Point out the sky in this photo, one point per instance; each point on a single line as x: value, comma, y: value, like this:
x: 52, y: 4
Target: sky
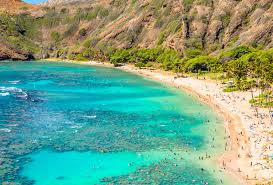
x: 34, y: 1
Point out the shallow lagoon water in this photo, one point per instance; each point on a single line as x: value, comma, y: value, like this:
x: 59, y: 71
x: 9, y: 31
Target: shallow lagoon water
x: 82, y: 168
x: 74, y: 124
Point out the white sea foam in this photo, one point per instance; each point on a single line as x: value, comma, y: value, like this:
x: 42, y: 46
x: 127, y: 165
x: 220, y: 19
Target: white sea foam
x: 5, y: 130
x: 12, y: 125
x: 4, y: 94
x: 5, y: 91
x: 14, y: 82
x: 23, y: 95
x: 91, y: 117
x: 76, y: 126
x: 11, y: 89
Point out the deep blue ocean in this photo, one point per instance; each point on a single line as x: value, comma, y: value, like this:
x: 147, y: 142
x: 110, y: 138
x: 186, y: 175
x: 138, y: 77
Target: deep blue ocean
x: 71, y: 124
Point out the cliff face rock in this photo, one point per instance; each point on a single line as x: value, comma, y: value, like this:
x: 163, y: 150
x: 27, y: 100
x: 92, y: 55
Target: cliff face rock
x: 7, y: 52
x: 209, y: 25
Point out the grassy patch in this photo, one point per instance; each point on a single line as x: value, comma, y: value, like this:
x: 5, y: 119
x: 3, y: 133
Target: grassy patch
x: 230, y: 89
x: 264, y: 100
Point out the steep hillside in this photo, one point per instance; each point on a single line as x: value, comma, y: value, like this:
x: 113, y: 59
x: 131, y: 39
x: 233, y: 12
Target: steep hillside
x: 203, y: 24
x: 67, y: 27
x: 18, y: 36
x: 16, y: 6
x: 15, y: 32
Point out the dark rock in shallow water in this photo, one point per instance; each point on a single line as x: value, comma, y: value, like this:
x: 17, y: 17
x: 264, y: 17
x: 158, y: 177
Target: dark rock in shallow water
x: 60, y: 178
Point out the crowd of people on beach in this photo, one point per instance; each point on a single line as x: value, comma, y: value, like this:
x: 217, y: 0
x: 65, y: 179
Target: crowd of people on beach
x: 255, y: 144
x: 251, y: 139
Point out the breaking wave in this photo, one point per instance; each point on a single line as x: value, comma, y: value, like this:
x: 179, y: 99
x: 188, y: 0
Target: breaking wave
x: 17, y: 92
x: 4, y: 94
x: 14, y: 81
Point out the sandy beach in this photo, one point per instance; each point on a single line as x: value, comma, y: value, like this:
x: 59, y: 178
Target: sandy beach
x: 249, y: 137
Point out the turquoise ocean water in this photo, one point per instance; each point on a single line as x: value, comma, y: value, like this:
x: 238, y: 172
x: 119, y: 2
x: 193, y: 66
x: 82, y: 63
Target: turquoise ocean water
x: 68, y: 124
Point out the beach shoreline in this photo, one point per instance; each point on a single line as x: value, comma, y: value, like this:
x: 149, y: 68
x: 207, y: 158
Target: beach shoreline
x: 242, y: 158
x: 205, y: 99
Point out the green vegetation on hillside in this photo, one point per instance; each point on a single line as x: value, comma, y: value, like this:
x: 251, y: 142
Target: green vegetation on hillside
x: 18, y: 31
